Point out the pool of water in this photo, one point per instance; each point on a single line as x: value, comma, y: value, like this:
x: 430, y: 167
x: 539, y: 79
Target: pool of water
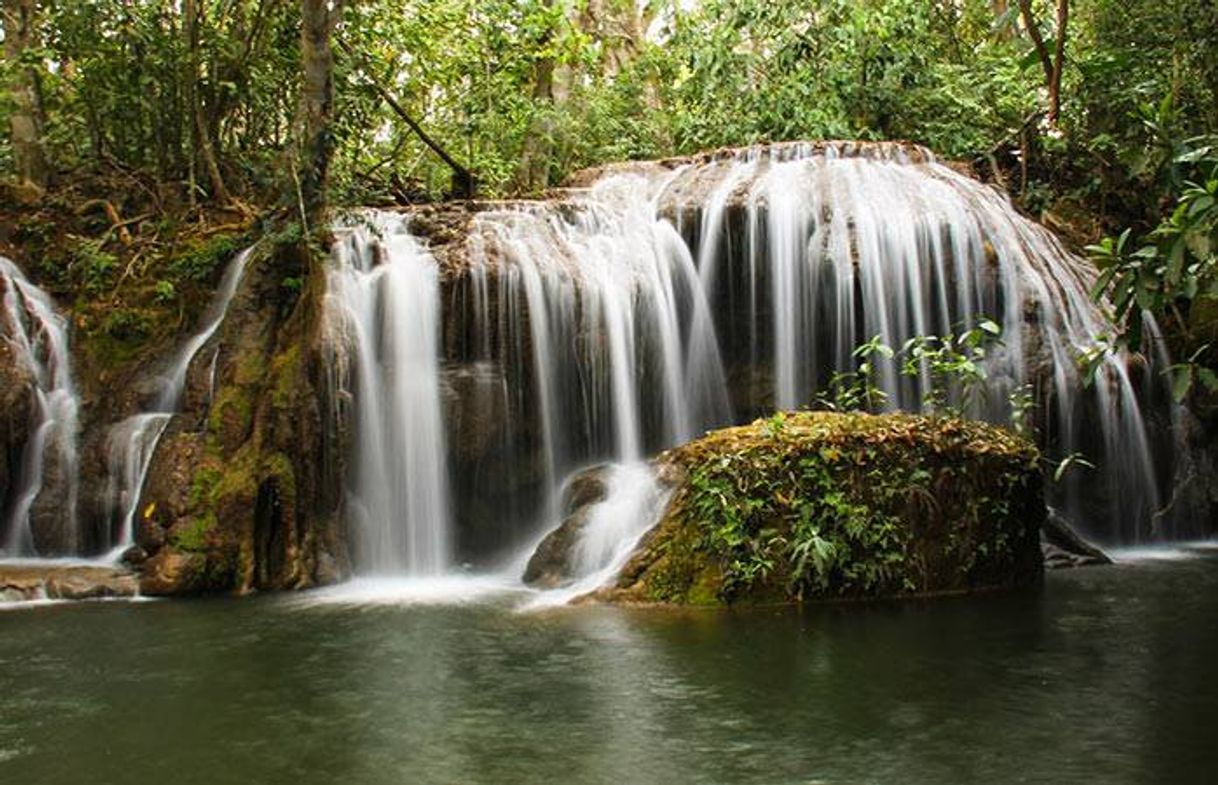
x: 1104, y: 675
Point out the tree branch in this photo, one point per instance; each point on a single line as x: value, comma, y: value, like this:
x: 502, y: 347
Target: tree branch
x: 464, y: 181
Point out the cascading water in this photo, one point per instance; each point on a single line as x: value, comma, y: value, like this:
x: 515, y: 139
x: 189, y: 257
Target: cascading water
x: 133, y: 442
x: 38, y: 336
x: 383, y: 312
x: 634, y: 500
x: 660, y: 302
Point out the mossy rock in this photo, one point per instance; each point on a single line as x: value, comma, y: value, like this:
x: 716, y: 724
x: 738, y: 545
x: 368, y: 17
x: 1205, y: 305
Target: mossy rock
x: 819, y: 505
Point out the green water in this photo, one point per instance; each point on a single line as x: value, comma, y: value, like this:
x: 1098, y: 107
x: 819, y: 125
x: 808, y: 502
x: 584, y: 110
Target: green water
x: 1102, y: 676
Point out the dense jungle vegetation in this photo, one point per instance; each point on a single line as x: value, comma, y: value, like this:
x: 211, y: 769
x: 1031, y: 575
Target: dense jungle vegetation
x: 161, y: 130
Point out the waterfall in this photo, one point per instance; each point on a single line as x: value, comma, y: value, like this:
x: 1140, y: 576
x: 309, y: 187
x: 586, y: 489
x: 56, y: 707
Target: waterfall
x: 383, y: 313
x: 133, y: 442
x: 665, y: 300
x: 661, y: 302
x: 38, y: 337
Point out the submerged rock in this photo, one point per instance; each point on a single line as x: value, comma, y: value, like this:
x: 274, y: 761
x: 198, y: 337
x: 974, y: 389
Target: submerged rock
x: 818, y: 505
x: 1062, y: 546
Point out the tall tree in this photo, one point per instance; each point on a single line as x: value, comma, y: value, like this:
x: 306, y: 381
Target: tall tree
x: 318, y: 18
x: 26, y: 120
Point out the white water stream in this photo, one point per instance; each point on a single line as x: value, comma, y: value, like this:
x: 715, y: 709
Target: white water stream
x: 38, y: 336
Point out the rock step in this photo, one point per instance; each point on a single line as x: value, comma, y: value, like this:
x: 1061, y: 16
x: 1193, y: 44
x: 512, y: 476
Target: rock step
x: 30, y: 581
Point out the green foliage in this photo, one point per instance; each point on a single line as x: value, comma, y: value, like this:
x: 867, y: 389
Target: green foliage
x: 126, y: 325
x: 856, y: 390
x: 951, y: 367
x: 90, y: 266
x: 165, y: 292
x: 1074, y: 459
x: 1175, y: 262
x: 1192, y: 373
x: 578, y: 83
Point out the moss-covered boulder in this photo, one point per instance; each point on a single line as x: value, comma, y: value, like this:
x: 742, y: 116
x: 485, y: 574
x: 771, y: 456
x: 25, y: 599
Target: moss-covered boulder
x: 819, y: 505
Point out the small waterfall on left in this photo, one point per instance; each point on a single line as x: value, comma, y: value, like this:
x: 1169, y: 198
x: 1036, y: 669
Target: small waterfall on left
x: 383, y: 318
x: 133, y: 442
x: 38, y: 337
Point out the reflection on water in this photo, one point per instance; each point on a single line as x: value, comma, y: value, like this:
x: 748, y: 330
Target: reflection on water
x: 1104, y: 676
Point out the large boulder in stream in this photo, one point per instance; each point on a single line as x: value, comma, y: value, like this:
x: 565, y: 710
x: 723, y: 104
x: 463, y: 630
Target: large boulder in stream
x: 821, y: 505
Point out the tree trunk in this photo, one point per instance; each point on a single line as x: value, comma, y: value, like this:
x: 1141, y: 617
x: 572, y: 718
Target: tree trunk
x: 318, y: 18
x: 26, y: 121
x: 1059, y: 61
x: 203, y: 149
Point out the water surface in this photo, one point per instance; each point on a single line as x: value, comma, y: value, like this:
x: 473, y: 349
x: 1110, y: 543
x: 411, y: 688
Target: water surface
x: 1103, y: 675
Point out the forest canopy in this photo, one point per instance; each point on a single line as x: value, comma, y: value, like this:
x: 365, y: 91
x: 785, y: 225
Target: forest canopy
x: 203, y: 93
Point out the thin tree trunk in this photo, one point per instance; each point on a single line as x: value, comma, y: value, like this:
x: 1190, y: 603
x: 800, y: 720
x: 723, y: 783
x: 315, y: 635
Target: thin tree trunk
x: 26, y: 122
x: 1059, y: 60
x: 533, y: 174
x: 464, y: 182
x: 1052, y: 64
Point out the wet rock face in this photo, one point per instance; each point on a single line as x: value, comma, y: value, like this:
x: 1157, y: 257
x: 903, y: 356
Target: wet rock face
x: 553, y: 563
x: 16, y: 408
x: 244, y: 491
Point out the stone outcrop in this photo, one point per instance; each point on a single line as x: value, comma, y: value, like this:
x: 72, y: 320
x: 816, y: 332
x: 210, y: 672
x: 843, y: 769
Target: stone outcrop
x: 16, y: 402
x: 818, y: 505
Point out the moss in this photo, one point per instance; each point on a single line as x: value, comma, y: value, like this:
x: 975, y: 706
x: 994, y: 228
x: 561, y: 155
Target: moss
x: 279, y: 466
x: 240, y: 477
x: 816, y: 504
x: 251, y: 368
x: 285, y: 372
x: 203, y: 486
x: 195, y: 537
x: 199, y: 258
x: 231, y: 415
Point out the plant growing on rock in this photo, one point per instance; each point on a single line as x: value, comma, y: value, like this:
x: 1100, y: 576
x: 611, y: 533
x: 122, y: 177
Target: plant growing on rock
x: 843, y: 505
